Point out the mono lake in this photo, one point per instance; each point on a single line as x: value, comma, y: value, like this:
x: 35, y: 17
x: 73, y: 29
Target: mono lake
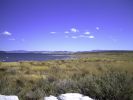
x: 12, y: 57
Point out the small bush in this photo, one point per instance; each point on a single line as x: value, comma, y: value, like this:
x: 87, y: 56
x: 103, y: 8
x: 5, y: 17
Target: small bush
x: 66, y: 86
x: 111, y: 85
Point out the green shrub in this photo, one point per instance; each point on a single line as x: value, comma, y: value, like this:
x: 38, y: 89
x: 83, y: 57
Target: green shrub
x: 111, y: 85
x: 66, y: 86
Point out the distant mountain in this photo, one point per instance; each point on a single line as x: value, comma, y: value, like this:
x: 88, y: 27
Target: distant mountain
x: 63, y: 52
x: 18, y: 51
x: 105, y: 51
x: 2, y: 52
x: 43, y: 52
x: 112, y: 50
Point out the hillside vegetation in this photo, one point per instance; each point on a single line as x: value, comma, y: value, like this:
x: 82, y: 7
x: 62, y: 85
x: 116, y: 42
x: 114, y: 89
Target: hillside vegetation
x: 102, y: 76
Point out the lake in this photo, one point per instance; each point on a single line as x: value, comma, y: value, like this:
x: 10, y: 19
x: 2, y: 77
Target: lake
x: 13, y: 57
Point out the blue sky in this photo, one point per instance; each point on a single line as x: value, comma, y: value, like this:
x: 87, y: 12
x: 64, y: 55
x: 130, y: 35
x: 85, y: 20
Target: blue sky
x: 72, y: 25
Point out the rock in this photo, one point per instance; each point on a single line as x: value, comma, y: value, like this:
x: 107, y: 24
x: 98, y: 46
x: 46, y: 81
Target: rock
x: 69, y: 96
x: 11, y: 97
x: 50, y: 98
x: 86, y: 98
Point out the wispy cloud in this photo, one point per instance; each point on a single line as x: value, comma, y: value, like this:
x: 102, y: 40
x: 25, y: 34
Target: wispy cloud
x: 74, y: 30
x: 74, y: 37
x: 12, y: 39
x: 97, y: 28
x: 77, y: 34
x: 91, y: 37
x: 87, y: 33
x: 66, y: 32
x: 53, y: 32
x: 84, y: 36
x: 80, y: 36
x: 6, y: 33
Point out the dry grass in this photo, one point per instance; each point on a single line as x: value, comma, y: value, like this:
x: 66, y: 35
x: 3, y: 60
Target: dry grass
x: 50, y: 77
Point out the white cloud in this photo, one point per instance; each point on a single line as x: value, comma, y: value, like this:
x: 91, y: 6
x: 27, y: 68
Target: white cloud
x: 79, y: 36
x: 91, y: 37
x: 74, y: 30
x: 12, y: 39
x: 74, y: 37
x: 87, y: 33
x: 97, y: 28
x: 6, y: 33
x: 52, y: 32
x: 66, y: 32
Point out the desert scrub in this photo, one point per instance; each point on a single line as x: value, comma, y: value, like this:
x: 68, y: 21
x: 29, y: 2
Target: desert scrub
x: 66, y: 86
x: 111, y: 85
x: 43, y: 87
x: 0, y: 63
x: 88, y: 75
x: 46, y: 87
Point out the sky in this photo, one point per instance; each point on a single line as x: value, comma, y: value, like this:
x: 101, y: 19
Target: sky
x: 66, y: 25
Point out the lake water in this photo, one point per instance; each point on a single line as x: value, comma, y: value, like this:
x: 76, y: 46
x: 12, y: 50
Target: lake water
x: 12, y: 57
